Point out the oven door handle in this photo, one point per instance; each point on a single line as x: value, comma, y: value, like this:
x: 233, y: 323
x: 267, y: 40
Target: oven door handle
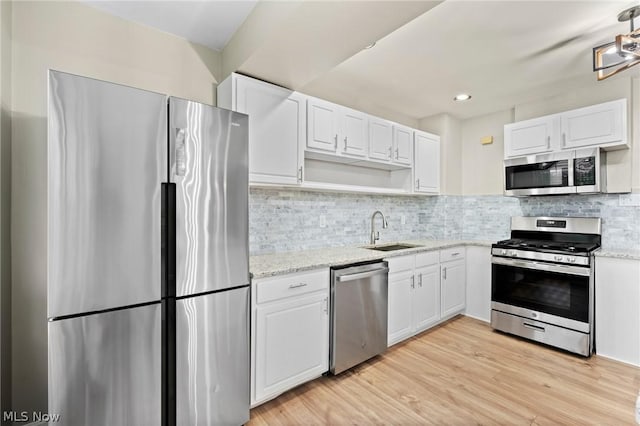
x: 540, y: 266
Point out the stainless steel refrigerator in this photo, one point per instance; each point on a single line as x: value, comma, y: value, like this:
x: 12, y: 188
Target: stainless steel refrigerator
x: 148, y: 270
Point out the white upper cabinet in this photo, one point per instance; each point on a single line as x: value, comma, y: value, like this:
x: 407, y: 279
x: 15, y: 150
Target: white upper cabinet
x: 322, y: 119
x: 336, y: 129
x: 354, y: 133
x: 402, y: 144
x: 426, y: 164
x: 277, y: 123
x: 533, y: 136
x: 380, y: 139
x: 604, y: 125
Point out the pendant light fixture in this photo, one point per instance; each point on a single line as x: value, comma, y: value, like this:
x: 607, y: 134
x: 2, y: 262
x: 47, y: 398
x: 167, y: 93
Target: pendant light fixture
x: 622, y: 53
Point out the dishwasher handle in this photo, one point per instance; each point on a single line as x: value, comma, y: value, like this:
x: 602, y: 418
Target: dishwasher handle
x: 360, y: 275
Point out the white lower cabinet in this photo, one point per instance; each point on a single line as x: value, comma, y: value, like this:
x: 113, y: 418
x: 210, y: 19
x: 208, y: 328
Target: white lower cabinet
x: 290, y: 332
x: 424, y: 290
x: 478, y: 283
x: 617, y: 309
x: 453, y: 285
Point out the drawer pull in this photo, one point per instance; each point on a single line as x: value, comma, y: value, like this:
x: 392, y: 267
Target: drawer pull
x: 455, y: 254
x: 533, y: 327
x: 298, y: 285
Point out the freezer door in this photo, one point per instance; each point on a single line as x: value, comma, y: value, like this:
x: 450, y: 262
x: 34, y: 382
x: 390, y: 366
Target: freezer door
x: 209, y: 165
x: 212, y: 358
x: 107, y: 158
x: 105, y: 369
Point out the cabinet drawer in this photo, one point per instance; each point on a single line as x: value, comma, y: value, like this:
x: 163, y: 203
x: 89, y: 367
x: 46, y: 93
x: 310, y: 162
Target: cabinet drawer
x: 269, y: 289
x: 401, y: 263
x: 428, y: 258
x: 454, y: 253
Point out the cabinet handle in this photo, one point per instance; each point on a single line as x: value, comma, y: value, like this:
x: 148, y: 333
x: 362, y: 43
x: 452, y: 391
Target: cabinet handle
x: 300, y: 174
x: 298, y: 285
x: 397, y: 153
x: 390, y: 153
x: 326, y: 305
x: 335, y: 138
x: 455, y: 254
x: 444, y: 272
x: 417, y: 183
x: 548, y: 141
x: 564, y: 139
x: 413, y: 283
x: 420, y: 281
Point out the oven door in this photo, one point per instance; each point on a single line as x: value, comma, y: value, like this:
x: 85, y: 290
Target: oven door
x: 547, y: 292
x: 539, y: 174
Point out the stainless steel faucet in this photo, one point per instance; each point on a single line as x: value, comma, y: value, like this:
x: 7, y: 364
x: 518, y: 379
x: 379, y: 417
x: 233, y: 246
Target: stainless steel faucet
x: 375, y: 236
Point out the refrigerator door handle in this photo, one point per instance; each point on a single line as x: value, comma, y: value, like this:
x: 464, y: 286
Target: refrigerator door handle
x: 181, y: 161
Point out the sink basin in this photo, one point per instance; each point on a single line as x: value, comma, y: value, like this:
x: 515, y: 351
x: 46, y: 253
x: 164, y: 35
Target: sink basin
x: 393, y: 247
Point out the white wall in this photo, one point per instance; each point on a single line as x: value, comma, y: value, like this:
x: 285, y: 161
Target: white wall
x: 72, y: 37
x: 449, y: 128
x: 482, y: 164
x: 5, y: 205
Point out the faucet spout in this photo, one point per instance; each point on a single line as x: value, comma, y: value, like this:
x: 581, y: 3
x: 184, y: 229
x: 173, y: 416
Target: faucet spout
x: 375, y: 236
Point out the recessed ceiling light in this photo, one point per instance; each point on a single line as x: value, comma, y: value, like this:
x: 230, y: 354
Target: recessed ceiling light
x: 462, y: 97
x: 370, y: 46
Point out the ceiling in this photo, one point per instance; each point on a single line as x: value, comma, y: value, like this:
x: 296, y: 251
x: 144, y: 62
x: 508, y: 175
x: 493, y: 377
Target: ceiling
x: 210, y: 23
x: 503, y: 53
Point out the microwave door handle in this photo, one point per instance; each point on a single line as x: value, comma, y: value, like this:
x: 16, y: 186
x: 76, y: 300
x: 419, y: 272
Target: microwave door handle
x: 572, y: 169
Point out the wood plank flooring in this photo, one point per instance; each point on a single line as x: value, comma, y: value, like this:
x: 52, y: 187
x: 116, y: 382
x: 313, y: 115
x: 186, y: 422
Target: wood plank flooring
x: 463, y: 373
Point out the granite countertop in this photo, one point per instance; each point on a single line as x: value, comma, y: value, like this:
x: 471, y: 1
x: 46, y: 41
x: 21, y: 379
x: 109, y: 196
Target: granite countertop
x: 628, y: 254
x: 268, y: 265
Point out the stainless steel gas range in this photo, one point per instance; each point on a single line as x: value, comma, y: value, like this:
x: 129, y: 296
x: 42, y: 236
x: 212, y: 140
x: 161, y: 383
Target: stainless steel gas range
x: 542, y: 281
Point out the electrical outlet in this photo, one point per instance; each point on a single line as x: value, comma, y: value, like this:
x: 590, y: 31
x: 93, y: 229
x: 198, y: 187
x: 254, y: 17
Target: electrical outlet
x: 323, y: 221
x: 629, y: 200
x: 403, y: 219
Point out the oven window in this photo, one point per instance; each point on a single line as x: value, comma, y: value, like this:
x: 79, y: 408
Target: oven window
x: 553, y: 293
x: 547, y: 174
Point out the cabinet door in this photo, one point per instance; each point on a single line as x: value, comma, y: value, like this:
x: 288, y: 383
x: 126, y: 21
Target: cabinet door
x: 292, y: 343
x: 617, y: 298
x: 276, y: 128
x: 402, y: 145
x: 426, y: 298
x: 322, y: 131
x: 427, y: 163
x: 380, y: 139
x: 354, y: 133
x: 530, y: 136
x: 453, y: 288
x: 603, y: 124
x: 400, y: 325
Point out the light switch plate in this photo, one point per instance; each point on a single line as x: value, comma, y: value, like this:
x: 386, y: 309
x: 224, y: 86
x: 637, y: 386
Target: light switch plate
x: 323, y: 221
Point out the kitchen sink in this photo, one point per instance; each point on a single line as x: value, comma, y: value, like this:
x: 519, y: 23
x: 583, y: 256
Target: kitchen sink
x: 393, y: 247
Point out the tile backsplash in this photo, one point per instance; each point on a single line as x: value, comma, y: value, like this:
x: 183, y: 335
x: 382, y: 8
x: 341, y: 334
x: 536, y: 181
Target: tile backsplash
x: 289, y: 220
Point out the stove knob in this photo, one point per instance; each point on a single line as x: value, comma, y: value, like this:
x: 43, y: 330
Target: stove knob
x: 557, y: 258
x: 571, y: 259
x: 504, y: 252
x: 513, y: 253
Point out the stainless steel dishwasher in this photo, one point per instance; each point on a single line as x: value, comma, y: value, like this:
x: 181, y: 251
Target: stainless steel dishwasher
x: 358, y: 314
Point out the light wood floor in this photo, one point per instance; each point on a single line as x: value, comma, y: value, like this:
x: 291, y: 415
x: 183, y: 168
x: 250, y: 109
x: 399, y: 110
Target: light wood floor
x: 464, y: 373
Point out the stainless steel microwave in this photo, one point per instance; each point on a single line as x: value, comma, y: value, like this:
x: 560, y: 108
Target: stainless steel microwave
x: 579, y: 171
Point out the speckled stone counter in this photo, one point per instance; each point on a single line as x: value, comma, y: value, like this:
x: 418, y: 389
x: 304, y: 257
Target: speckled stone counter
x: 288, y: 262
x: 629, y: 254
